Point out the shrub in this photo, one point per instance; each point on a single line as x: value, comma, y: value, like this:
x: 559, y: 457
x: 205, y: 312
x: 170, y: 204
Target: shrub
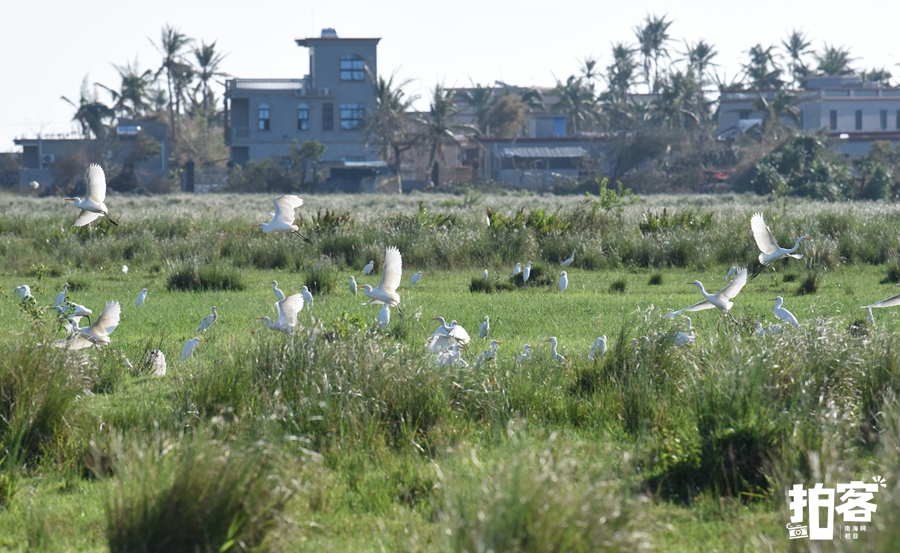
x: 809, y: 285
x: 893, y: 272
x: 479, y: 284
x: 656, y: 279
x: 618, y: 286
x: 191, y: 278
x: 322, y: 277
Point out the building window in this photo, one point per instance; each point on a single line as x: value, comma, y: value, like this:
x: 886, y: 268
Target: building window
x: 352, y: 116
x: 832, y: 120
x: 263, y: 117
x: 884, y: 119
x: 353, y: 68
x: 302, y: 117
x: 328, y: 117
x: 858, y: 120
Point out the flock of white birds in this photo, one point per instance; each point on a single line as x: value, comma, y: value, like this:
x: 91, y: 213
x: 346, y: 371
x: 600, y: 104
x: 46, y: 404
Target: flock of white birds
x: 447, y: 342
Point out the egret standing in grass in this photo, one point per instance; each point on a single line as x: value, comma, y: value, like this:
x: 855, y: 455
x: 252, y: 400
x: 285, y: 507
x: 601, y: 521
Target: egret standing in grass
x: 78, y: 310
x: 24, y: 291
x: 489, y: 355
x: 517, y: 269
x: 731, y: 272
x: 598, y: 349
x: 279, y: 295
x: 141, y: 297
x: 563, y: 281
x: 384, y: 316
x: 156, y: 363
x: 447, y: 336
x: 721, y: 299
x: 124, y: 270
x: 61, y: 297
x: 769, y: 249
x: 685, y: 338
x: 368, y: 268
x: 391, y: 273
x: 870, y: 317
x: 526, y: 272
x: 283, y: 218
x: 287, y: 314
x: 526, y: 354
x: 307, y: 296
x: 415, y: 278
x: 783, y: 314
x: 353, y: 286
x: 208, y: 321
x: 189, y: 348
x: 93, y: 206
x: 484, y: 274
x: 556, y: 356
x: 485, y: 327
x: 569, y: 260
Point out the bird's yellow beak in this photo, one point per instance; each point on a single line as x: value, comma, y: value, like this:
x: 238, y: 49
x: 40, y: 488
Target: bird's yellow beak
x: 69, y: 199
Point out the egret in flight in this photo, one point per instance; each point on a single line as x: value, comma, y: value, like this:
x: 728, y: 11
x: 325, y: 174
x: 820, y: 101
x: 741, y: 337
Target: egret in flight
x: 598, y: 349
x: 386, y: 291
x: 415, y: 278
x: 139, y: 300
x: 287, y: 314
x: 485, y: 328
x: 569, y: 260
x: 353, y: 286
x: 563, y: 281
x: 98, y: 333
x: 283, y: 219
x: 279, y: 295
x: 556, y: 356
x: 93, y: 206
x: 720, y: 300
x: 368, y: 268
x: 189, y: 348
x: 783, y: 314
x: 890, y: 302
x: 769, y: 250
x: 208, y: 321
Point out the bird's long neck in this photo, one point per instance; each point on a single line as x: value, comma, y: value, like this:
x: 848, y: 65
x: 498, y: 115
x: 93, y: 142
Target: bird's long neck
x: 796, y: 245
x: 702, y: 289
x: 778, y: 303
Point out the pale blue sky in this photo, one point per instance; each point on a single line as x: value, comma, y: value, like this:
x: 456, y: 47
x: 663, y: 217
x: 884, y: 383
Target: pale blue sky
x: 46, y: 48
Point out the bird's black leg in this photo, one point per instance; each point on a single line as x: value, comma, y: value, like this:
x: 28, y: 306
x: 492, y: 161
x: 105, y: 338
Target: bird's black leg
x: 305, y: 239
x: 108, y: 218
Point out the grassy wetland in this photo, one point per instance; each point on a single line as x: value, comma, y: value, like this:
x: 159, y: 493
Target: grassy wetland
x: 346, y: 437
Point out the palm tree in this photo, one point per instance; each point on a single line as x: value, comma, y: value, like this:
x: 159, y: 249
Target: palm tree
x: 171, y: 44
x: 878, y: 76
x: 796, y: 46
x: 652, y: 38
x: 762, y: 71
x: 207, y: 68
x: 834, y: 61
x: 90, y: 112
x: 699, y: 57
x: 480, y: 98
x: 387, y: 125
x: 134, y: 94
x: 579, y: 103
x: 681, y: 103
x: 784, y: 105
x: 438, y: 129
x: 588, y: 69
x: 620, y: 75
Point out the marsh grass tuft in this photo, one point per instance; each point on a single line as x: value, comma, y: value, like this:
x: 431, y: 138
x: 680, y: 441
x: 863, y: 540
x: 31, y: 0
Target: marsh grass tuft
x: 893, y: 273
x: 810, y: 284
x: 618, y: 286
x: 656, y: 279
x: 479, y: 284
x: 190, y: 278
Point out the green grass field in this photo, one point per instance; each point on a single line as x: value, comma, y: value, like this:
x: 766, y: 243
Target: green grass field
x: 348, y: 438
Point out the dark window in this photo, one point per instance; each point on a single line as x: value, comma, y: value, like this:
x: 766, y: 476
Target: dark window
x: 352, y: 116
x: 858, y: 120
x: 884, y: 119
x: 832, y: 120
x: 353, y: 68
x: 328, y: 117
x: 263, y: 117
x: 302, y: 117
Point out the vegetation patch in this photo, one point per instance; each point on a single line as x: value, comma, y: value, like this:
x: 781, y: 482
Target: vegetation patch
x: 191, y: 278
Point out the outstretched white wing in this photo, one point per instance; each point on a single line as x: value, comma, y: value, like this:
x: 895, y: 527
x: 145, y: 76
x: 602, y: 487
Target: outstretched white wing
x: 734, y: 287
x: 288, y: 309
x: 107, y: 321
x: 762, y: 234
x: 284, y: 208
x: 890, y: 302
x: 393, y: 269
x: 86, y: 217
x: 96, y: 182
x: 699, y: 306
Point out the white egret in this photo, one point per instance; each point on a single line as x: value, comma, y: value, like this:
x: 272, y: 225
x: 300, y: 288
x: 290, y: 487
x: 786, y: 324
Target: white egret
x: 368, y: 268
x: 124, y: 269
x: 415, y: 278
x: 485, y: 328
x: 518, y: 269
x: 352, y: 285
x: 450, y: 357
x: 563, y: 281
x: 24, y: 291
x: 598, y: 349
x: 721, y: 299
x: 569, y: 260
x: 760, y: 331
x: 287, y: 314
x: 307, y: 296
x: 69, y: 323
x: 731, y: 272
x: 189, y: 348
x: 93, y: 206
x: 78, y: 310
x: 526, y: 272
x: 783, y: 314
x: 556, y: 356
x: 283, y: 218
x: 526, y: 354
x: 98, y: 333
x: 391, y: 272
x: 769, y: 249
x: 279, y: 295
x: 484, y: 274
x: 489, y: 355
x: 156, y: 362
x: 208, y: 321
x: 384, y: 316
x: 447, y: 336
x: 890, y: 302
x: 61, y: 297
x: 685, y: 338
x: 141, y: 297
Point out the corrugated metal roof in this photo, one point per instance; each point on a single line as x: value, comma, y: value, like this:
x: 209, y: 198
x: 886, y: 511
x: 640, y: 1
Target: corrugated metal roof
x: 543, y: 151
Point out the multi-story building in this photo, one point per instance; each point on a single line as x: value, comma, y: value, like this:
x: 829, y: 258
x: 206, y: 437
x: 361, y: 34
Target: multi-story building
x: 263, y: 116
x: 853, y: 113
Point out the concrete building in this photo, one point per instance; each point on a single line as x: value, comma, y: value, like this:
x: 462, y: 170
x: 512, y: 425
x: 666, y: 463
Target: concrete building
x: 263, y: 116
x: 852, y: 112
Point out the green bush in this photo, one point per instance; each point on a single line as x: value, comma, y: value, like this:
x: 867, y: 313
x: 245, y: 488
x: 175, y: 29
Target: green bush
x: 191, y: 278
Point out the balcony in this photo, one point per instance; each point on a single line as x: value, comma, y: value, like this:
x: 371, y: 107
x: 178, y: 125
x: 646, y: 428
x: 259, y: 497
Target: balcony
x: 240, y: 133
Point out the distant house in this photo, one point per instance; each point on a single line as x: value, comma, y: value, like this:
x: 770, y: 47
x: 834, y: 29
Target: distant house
x: 263, y: 116
x: 536, y: 163
x: 852, y: 112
